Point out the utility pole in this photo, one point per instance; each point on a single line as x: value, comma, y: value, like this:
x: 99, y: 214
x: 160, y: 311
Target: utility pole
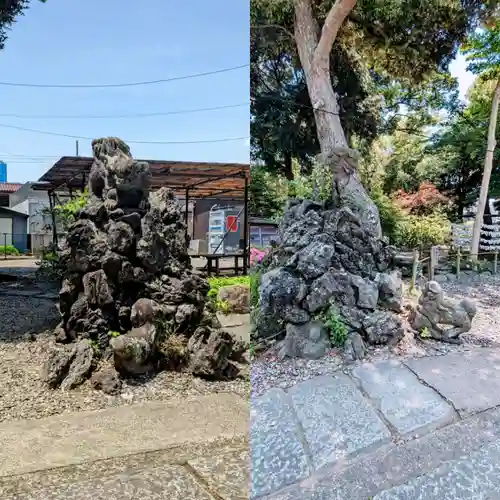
x: 77, y: 152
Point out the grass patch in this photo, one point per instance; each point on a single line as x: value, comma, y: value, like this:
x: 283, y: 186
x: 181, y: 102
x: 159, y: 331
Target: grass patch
x: 9, y: 250
x: 216, y: 283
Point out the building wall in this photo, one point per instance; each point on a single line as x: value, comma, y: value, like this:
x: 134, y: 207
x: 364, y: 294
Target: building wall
x: 13, y: 231
x: 20, y: 232
x: 202, y: 215
x: 31, y: 202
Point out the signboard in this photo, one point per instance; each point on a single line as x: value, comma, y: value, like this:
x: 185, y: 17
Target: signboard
x: 232, y: 223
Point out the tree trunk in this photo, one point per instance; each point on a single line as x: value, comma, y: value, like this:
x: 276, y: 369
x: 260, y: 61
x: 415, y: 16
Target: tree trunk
x: 314, y: 56
x: 314, y: 53
x: 488, y: 165
x: 287, y: 166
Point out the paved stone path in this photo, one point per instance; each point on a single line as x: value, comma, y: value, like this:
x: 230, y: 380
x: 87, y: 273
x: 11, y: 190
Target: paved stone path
x: 423, y: 429
x: 188, y: 450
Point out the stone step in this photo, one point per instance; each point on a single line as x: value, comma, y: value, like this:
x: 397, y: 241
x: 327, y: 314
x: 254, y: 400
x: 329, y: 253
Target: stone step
x: 329, y: 420
x: 215, y: 472
x: 460, y: 461
x: 100, y: 452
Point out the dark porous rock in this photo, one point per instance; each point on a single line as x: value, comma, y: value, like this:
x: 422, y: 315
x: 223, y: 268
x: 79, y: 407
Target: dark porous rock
x: 237, y: 298
x: 308, y: 341
x: 70, y: 289
x: 96, y: 289
x: 383, y: 327
x: 121, y: 238
x: 57, y: 365
x: 355, y: 348
x: 133, y: 352
x: 281, y: 292
x: 330, y: 259
x: 108, y: 381
x: 211, y: 359
x: 333, y: 285
x: 128, y: 280
x: 314, y: 260
x: 390, y: 288
x: 81, y: 365
x: 133, y: 220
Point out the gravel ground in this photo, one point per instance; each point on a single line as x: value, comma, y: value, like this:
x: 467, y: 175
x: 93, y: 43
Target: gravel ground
x: 24, y: 345
x: 268, y: 371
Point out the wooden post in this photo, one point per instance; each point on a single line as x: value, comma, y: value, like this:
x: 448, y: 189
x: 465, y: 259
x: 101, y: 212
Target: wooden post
x: 414, y: 270
x: 495, y: 261
x: 433, y: 260
x: 458, y: 262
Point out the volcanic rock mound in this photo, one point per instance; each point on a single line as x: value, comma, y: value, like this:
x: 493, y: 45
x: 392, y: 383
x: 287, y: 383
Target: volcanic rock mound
x: 329, y: 260
x: 129, y: 282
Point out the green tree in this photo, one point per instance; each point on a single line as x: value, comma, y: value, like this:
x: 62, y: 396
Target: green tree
x: 482, y: 50
x: 390, y: 42
x: 9, y: 11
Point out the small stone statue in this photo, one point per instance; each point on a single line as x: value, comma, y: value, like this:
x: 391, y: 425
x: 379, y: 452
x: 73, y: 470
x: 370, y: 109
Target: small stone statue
x: 434, y: 310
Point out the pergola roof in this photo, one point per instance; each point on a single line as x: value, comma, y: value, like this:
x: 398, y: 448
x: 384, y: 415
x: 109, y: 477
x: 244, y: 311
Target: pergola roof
x: 204, y: 180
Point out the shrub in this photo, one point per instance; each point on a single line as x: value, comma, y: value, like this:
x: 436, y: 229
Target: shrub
x: 411, y: 231
x: 390, y: 214
x: 255, y: 277
x: 336, y: 327
x: 50, y: 266
x: 9, y: 250
x: 422, y: 231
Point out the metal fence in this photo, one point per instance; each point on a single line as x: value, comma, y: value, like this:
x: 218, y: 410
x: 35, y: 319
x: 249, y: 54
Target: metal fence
x: 22, y: 245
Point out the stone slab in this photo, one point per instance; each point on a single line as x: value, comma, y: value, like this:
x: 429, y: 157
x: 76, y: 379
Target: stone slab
x: 336, y: 419
x: 172, y: 482
x: 278, y: 456
x: 365, y: 476
x: 476, y: 476
x: 469, y: 380
x: 129, y: 465
x: 410, y: 406
x: 74, y: 438
x: 226, y: 472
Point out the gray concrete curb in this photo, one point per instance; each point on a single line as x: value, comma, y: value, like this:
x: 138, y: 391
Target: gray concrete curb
x: 75, y: 438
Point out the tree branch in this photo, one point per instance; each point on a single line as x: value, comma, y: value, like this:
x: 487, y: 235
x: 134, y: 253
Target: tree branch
x: 334, y: 20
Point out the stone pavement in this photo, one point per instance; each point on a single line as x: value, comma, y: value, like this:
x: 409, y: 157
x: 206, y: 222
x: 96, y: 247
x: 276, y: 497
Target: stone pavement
x: 192, y: 450
x: 427, y: 428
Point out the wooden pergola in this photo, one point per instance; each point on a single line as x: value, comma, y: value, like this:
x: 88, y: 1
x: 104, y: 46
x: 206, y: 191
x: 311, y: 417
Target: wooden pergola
x: 188, y: 180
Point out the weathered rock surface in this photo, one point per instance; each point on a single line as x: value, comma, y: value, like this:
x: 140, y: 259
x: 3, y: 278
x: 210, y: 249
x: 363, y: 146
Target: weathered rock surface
x: 440, y: 317
x: 237, y: 298
x: 129, y: 280
x: 330, y: 256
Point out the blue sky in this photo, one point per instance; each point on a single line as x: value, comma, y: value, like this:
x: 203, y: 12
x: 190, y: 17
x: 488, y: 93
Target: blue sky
x: 102, y: 41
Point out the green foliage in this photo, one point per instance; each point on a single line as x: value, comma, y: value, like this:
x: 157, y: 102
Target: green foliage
x: 222, y: 306
x: 390, y: 215
x: 67, y: 213
x: 422, y: 231
x: 336, y: 327
x: 50, y: 266
x: 9, y: 250
x: 302, y: 185
x: 268, y: 193
x: 216, y: 283
x: 388, y: 54
x: 113, y: 334
x: 482, y: 51
x: 255, y: 278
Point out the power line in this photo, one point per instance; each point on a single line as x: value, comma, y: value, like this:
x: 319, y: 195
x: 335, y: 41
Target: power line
x: 23, y: 129
x: 115, y: 85
x: 131, y: 115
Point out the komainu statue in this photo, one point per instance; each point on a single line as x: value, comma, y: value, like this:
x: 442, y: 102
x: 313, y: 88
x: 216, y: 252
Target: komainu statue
x: 441, y: 317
